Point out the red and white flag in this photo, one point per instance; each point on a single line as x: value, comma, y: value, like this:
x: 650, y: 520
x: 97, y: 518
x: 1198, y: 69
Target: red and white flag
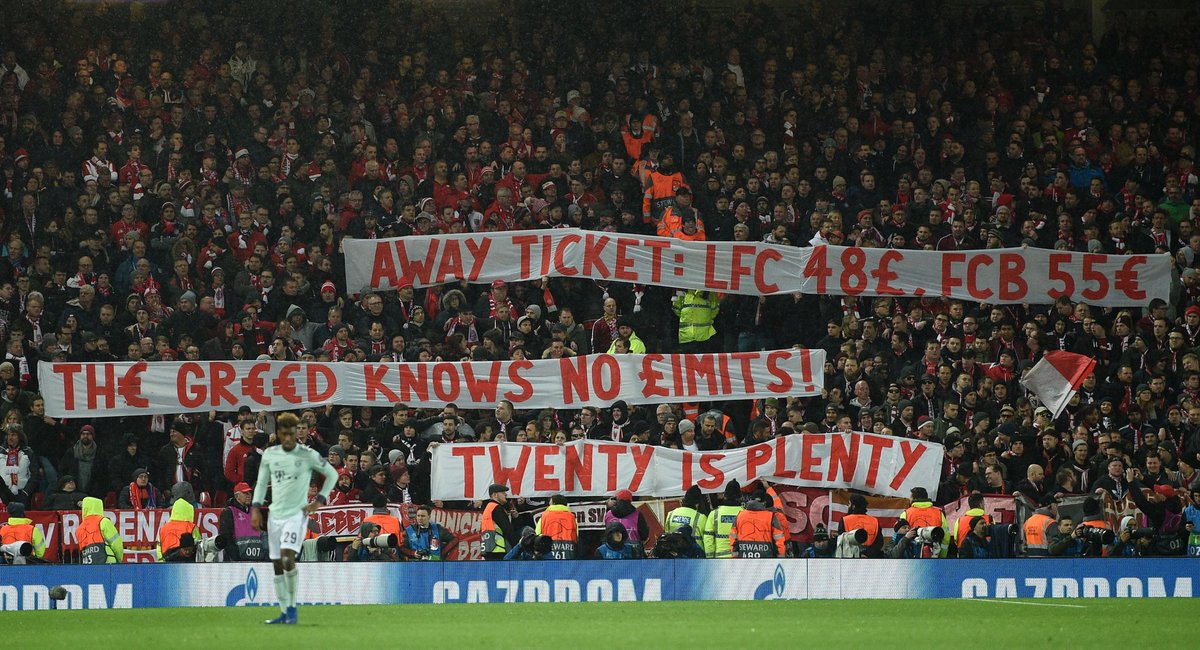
x: 1057, y: 377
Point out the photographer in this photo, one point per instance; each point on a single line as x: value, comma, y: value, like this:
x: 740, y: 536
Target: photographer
x: 1164, y: 511
x: 425, y: 540
x: 975, y: 544
x: 1064, y: 541
x: 901, y: 545
x: 369, y: 547
x: 1132, y: 541
x: 1191, y: 515
x: 1094, y: 532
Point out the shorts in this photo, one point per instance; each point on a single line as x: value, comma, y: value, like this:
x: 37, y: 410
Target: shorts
x: 286, y: 533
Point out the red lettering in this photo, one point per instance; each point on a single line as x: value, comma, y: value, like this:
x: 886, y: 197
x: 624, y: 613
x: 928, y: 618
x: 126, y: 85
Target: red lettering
x: 656, y: 246
x: 253, y: 384
x: 756, y: 456
x: 579, y: 466
x: 593, y: 264
x: 514, y: 377
x: 413, y: 381
x: 700, y: 368
x: 130, y: 386
x: 479, y: 250
x: 1012, y: 281
x: 560, y: 263
x: 606, y: 377
x: 443, y: 391
x: 650, y: 377
x: 376, y: 389
x: 760, y: 271
x: 97, y: 387
x: 383, y: 268
x: 68, y: 372
x: 973, y: 285
x: 621, y: 269
x: 843, y: 456
x: 950, y: 279
x: 1127, y: 278
x: 809, y: 460
x: 543, y: 472
x: 736, y: 268
x: 912, y: 451
x: 417, y: 271
x: 573, y: 371
x: 745, y: 361
x: 1057, y: 274
x: 1092, y: 274
x: 612, y: 451
x: 817, y: 267
x: 188, y: 387
x: 642, y: 455
x: 316, y: 393
x: 781, y: 470
x: 514, y: 476
x: 525, y: 244
x: 687, y: 471
x: 482, y: 389
x: 285, y: 385
x: 711, y: 277
x: 716, y: 477
x: 451, y: 267
x: 884, y: 275
x: 784, y: 385
x: 222, y: 376
x: 468, y: 454
x: 877, y: 445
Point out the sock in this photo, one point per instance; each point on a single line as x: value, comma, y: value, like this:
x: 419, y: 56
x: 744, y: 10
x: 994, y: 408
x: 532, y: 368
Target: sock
x: 281, y: 591
x: 293, y: 584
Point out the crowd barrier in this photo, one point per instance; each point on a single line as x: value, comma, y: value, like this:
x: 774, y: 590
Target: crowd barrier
x: 246, y: 585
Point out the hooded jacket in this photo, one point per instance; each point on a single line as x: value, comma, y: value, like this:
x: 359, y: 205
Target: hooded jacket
x: 304, y: 333
x: 182, y: 521
x: 611, y: 549
x: 624, y: 513
x: 113, y: 542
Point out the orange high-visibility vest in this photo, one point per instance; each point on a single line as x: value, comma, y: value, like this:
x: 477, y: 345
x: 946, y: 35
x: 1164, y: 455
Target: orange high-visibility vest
x: 560, y: 526
x: 755, y: 533
x: 864, y: 522
x: 169, y: 536
x: 388, y: 525
x: 922, y: 517
x: 1036, y: 542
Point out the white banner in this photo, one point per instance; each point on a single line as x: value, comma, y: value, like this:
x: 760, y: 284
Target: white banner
x: 140, y: 388
x: 883, y: 465
x: 1007, y: 275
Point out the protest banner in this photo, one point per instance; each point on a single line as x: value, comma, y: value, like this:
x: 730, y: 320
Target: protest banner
x: 1006, y: 275
x: 873, y: 463
x: 140, y: 388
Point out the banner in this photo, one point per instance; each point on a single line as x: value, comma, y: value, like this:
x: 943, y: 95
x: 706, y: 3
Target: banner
x: 864, y: 461
x: 464, y: 524
x: 138, y: 528
x: 1005, y: 275
x: 138, y: 586
x: 168, y: 387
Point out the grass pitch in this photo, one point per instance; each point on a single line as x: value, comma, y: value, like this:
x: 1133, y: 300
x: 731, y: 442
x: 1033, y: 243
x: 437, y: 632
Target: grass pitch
x: 1110, y: 623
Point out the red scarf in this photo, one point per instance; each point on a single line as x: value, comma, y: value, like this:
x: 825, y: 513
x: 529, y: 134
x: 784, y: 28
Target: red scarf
x: 141, y: 499
x: 13, y: 460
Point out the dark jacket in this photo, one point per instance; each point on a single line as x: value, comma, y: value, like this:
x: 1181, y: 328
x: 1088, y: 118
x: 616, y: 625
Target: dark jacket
x: 616, y: 545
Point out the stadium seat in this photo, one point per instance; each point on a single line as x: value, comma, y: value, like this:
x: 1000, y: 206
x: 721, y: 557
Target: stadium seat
x: 221, y: 500
x: 110, y: 500
x: 39, y: 499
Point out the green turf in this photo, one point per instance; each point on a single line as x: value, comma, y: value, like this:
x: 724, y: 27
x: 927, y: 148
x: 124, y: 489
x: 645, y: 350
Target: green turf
x: 1115, y: 623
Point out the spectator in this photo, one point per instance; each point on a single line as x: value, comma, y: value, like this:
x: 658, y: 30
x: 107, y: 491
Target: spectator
x: 614, y: 546
x: 139, y: 494
x: 82, y: 461
x: 621, y: 508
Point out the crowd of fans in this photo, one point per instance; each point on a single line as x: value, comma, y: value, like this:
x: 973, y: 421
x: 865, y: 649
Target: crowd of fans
x: 178, y: 181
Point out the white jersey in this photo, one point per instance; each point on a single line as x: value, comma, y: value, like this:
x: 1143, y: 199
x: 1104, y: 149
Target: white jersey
x: 289, y: 474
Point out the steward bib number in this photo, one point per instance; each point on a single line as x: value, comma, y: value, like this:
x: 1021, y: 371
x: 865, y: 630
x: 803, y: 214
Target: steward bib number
x: 755, y: 549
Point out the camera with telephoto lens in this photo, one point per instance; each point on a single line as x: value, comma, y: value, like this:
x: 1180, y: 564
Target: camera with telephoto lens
x: 1096, y: 535
x: 859, y: 536
x: 930, y: 534
x: 208, y: 549
x: 1142, y: 533
x: 381, y: 541
x: 17, y: 551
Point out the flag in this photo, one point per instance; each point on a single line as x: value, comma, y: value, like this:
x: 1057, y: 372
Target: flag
x: 1057, y: 377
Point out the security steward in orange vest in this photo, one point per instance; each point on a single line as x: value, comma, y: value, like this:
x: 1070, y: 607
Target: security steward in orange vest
x: 923, y: 513
x: 18, y: 530
x: 858, y: 519
x: 675, y: 217
x: 962, y: 525
x: 1036, y: 532
x: 497, y: 530
x: 756, y: 532
x: 660, y: 194
x: 558, y: 523
x: 382, y: 517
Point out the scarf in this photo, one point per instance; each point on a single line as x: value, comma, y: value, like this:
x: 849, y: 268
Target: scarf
x: 13, y: 460
x: 142, y: 499
x: 86, y: 457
